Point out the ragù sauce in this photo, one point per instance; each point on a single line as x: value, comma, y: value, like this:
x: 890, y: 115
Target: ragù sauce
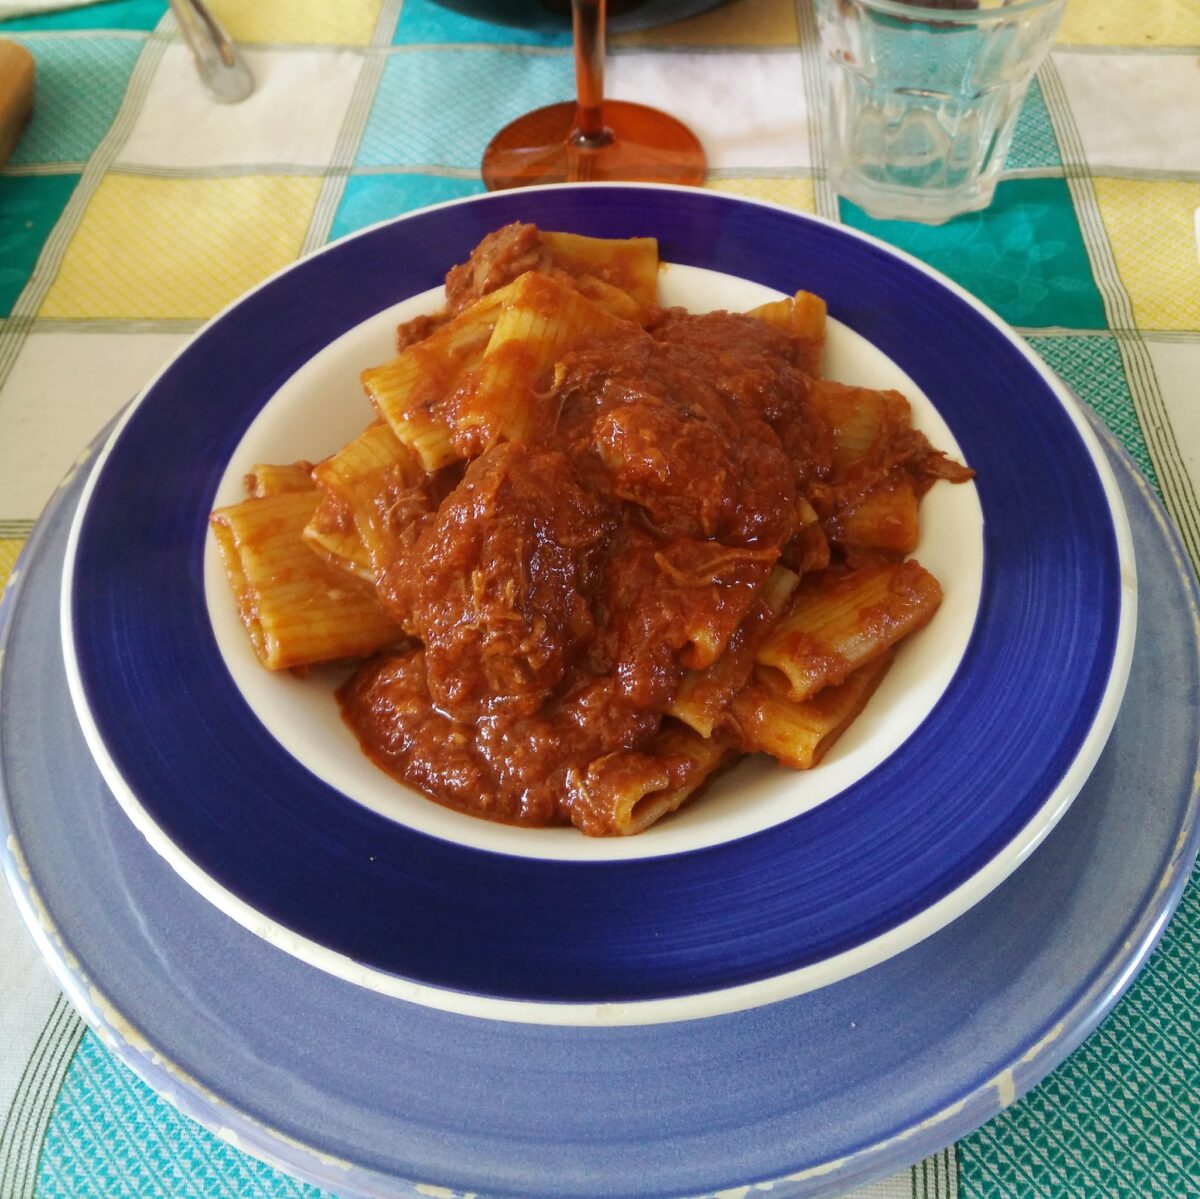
x: 558, y: 589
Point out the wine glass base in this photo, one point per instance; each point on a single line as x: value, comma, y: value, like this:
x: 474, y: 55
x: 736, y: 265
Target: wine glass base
x: 641, y: 145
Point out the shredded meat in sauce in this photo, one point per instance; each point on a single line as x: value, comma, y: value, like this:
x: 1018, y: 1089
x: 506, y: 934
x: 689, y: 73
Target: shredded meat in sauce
x: 555, y: 588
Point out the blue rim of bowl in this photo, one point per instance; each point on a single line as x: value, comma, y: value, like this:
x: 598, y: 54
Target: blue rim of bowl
x: 893, y: 857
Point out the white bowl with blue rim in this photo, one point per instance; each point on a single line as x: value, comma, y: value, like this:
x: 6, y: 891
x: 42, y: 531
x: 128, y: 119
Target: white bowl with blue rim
x: 773, y: 883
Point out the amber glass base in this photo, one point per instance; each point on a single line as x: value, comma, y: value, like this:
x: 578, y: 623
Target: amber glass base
x: 639, y: 145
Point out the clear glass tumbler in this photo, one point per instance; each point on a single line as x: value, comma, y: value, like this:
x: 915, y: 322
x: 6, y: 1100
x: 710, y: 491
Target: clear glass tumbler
x: 923, y: 98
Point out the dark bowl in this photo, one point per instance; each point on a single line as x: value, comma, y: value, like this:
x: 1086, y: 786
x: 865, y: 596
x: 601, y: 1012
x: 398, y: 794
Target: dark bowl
x: 553, y: 16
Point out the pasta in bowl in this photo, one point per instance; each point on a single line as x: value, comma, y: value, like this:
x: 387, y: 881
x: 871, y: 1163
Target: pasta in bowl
x: 594, y: 549
x: 773, y: 881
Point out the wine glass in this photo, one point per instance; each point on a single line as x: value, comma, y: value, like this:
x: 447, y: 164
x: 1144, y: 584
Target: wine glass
x: 590, y: 138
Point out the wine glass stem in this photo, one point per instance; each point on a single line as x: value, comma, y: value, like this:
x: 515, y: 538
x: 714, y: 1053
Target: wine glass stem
x: 587, y: 18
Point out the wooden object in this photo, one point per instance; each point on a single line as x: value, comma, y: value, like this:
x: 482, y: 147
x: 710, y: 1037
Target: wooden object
x: 16, y: 94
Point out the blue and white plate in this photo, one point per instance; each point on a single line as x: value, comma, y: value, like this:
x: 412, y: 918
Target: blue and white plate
x: 772, y: 884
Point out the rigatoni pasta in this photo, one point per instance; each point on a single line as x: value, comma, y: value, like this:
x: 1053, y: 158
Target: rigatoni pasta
x: 591, y: 550
x: 799, y: 733
x: 297, y: 609
x: 837, y: 623
x: 626, y: 791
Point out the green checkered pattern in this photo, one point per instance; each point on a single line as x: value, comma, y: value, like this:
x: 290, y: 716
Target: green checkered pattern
x: 1085, y: 251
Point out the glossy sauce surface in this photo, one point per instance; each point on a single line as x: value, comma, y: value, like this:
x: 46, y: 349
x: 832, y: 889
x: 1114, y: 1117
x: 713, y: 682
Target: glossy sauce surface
x: 557, y: 589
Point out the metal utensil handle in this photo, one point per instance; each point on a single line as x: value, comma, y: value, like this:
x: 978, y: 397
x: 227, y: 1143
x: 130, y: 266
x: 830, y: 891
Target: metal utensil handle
x: 217, y: 60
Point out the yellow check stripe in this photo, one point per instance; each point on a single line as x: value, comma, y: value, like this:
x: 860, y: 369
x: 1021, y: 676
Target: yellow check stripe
x: 178, y: 248
x: 791, y: 193
x: 1145, y: 24
x: 10, y: 547
x: 299, y: 22
x: 1151, y: 229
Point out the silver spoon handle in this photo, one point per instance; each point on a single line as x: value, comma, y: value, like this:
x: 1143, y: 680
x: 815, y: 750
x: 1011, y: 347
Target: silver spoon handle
x: 217, y: 60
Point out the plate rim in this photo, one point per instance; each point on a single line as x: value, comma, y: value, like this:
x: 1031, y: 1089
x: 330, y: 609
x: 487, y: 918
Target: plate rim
x: 691, y: 1005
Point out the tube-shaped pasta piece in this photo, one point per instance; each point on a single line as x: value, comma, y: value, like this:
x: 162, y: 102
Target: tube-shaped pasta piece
x: 839, y: 622
x: 331, y: 534
x: 803, y: 316
x: 775, y: 312
x: 629, y: 263
x: 612, y: 299
x: 541, y: 319
x: 800, y: 734
x: 297, y: 609
x: 374, y: 450
x: 625, y: 792
x: 712, y: 587
x: 809, y: 315
x: 809, y: 550
x: 886, y: 518
x: 861, y: 419
x: 267, y: 478
x: 703, y: 695
x: 368, y: 476
x: 411, y: 391
x: 708, y: 636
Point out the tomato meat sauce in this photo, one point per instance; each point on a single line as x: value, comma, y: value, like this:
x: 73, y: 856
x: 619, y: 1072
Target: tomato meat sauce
x: 558, y: 590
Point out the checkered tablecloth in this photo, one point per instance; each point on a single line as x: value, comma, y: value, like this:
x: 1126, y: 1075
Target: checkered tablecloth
x: 134, y: 208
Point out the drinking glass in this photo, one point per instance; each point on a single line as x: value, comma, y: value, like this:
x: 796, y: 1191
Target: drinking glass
x: 591, y: 138
x: 923, y: 98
